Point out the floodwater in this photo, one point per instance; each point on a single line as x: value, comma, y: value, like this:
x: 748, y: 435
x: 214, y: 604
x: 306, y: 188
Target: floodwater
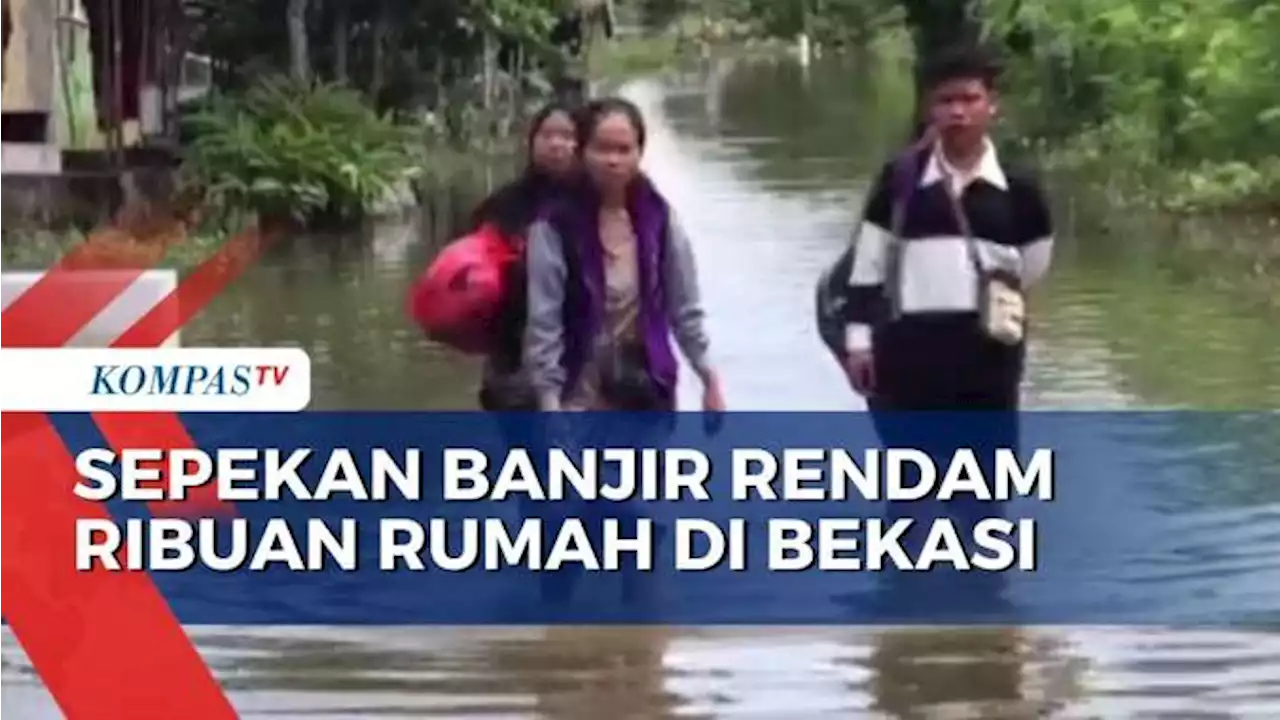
x: 765, y: 164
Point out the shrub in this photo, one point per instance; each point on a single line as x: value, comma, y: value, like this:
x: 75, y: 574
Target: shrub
x: 302, y: 153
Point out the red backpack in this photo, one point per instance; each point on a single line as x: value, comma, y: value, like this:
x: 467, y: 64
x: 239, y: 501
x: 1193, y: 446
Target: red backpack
x: 458, y: 299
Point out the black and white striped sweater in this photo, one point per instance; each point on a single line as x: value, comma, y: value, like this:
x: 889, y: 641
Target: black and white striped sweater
x: 934, y: 337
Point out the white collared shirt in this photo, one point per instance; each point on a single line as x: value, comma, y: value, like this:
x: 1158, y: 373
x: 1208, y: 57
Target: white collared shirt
x: 988, y: 168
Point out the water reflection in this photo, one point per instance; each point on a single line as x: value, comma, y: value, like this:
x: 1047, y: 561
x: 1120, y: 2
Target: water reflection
x: 343, y: 300
x: 582, y: 674
x: 975, y: 670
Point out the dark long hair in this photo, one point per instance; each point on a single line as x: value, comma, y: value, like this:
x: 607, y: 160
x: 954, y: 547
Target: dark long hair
x: 591, y: 114
x: 513, y: 208
x: 515, y: 205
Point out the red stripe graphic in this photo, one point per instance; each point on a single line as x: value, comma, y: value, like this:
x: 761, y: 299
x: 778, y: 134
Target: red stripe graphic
x: 106, y: 644
x: 165, y: 430
x: 41, y: 317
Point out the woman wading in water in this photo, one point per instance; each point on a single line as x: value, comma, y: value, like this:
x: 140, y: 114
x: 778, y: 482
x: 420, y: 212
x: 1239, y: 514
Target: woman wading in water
x: 611, y: 280
x: 512, y: 209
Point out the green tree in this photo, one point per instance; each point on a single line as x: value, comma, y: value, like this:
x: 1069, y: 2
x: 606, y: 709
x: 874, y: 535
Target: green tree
x: 1184, y: 90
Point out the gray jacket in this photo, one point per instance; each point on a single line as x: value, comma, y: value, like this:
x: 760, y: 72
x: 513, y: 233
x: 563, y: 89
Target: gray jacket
x: 544, y: 329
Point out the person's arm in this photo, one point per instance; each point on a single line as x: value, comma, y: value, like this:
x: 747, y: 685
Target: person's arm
x: 872, y: 238
x: 544, y: 328
x: 1036, y: 225
x: 684, y: 301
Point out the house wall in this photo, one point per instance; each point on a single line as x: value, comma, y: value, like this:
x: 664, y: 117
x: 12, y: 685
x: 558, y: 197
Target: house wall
x: 29, y: 69
x: 75, y: 109
x: 49, y: 101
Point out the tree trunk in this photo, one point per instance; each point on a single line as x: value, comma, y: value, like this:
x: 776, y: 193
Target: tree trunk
x: 938, y: 24
x: 381, y: 29
x: 341, y: 40
x: 515, y: 101
x: 489, y: 72
x: 300, y: 62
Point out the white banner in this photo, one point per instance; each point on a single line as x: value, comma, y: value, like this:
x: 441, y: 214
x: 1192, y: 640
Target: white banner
x: 155, y: 380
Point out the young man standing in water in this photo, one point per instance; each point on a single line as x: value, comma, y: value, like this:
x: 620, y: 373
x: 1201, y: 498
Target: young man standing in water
x: 950, y: 239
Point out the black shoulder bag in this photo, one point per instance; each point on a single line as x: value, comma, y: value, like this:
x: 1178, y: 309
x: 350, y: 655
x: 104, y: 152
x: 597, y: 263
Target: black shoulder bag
x: 833, y: 284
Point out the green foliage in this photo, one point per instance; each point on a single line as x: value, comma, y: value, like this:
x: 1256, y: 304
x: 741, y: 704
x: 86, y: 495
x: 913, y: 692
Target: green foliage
x: 1178, y: 96
x: 455, y: 76
x: 833, y: 23
x: 306, y: 153
x: 401, y: 53
x: 522, y: 19
x: 1250, y: 186
x: 661, y: 14
x: 1183, y: 91
x: 39, y: 248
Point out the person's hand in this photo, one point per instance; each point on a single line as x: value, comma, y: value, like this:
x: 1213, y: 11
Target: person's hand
x: 712, y: 404
x: 712, y: 394
x: 859, y: 368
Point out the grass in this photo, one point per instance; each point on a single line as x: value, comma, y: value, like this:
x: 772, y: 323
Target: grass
x: 1231, y: 244
x: 39, y: 249
x: 26, y: 247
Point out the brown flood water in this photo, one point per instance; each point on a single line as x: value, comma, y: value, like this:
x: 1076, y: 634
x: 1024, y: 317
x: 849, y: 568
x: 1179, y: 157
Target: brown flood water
x: 765, y: 164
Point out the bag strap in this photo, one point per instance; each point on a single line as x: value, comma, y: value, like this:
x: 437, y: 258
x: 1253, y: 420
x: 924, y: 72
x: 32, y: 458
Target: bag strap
x: 902, y: 186
x: 904, y: 180
x: 962, y: 219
